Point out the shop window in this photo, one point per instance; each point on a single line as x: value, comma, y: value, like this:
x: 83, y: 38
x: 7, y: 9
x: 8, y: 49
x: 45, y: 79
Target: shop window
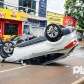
x: 43, y: 23
x: 11, y: 29
x: 33, y: 4
x: 34, y: 23
x: 38, y: 23
x: 1, y: 3
x: 27, y: 6
x: 26, y: 29
x: 29, y: 3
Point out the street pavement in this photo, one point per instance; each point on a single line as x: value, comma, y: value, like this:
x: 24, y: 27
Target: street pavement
x: 58, y: 72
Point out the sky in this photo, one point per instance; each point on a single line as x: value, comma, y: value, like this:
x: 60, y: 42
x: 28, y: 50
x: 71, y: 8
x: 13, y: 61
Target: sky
x: 56, y: 6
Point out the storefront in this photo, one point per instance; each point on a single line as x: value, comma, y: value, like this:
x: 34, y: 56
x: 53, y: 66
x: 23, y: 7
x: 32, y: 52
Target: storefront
x: 54, y: 18
x: 10, y: 27
x: 11, y: 22
x: 35, y: 25
x: 69, y: 20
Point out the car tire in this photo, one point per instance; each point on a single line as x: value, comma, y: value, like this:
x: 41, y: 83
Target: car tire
x: 53, y: 32
x: 8, y: 47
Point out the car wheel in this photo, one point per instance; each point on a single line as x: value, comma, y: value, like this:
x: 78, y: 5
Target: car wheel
x: 53, y: 32
x: 8, y: 47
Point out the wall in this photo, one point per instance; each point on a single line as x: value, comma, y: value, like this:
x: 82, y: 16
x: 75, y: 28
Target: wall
x: 37, y: 7
x: 16, y: 3
x: 56, y: 6
x: 12, y: 2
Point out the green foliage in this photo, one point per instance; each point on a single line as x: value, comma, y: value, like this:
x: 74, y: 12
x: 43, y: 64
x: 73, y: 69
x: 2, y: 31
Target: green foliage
x: 75, y: 8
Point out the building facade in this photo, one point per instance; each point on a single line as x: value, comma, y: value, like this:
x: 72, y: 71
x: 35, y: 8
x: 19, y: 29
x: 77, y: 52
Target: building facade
x: 55, y: 18
x: 34, y: 7
x: 55, y: 11
x: 35, y: 20
x: 11, y: 22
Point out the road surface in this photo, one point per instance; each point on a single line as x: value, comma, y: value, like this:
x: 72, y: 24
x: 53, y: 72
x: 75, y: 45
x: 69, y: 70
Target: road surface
x: 59, y: 72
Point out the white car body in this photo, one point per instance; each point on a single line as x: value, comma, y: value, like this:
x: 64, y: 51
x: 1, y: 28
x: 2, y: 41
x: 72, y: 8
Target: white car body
x: 42, y: 48
x: 62, y: 46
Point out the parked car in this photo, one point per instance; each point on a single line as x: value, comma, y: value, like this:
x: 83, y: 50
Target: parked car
x: 56, y: 43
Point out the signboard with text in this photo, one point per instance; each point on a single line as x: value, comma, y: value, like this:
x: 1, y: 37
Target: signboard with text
x: 12, y: 15
x: 42, y: 8
x: 69, y: 20
x: 54, y: 18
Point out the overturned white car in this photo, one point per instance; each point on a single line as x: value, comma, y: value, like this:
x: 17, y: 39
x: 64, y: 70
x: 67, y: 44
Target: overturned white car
x: 55, y: 44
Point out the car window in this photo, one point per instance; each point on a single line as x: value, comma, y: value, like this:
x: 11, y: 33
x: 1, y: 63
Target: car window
x: 67, y: 31
x: 32, y: 41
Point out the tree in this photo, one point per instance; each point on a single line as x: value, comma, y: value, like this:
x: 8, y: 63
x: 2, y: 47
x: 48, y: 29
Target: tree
x: 75, y: 8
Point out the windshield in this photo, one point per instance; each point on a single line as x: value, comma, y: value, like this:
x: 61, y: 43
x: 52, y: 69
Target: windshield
x: 67, y: 31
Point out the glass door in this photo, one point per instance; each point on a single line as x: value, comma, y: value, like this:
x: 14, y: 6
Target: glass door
x: 11, y: 29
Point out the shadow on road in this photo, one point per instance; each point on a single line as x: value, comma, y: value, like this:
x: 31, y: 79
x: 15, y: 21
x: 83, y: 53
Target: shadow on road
x: 55, y: 64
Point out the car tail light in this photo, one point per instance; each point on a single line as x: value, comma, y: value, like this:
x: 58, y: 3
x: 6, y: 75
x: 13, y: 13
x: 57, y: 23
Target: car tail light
x: 71, y: 44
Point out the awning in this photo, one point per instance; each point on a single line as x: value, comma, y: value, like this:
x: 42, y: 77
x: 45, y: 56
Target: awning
x: 13, y: 14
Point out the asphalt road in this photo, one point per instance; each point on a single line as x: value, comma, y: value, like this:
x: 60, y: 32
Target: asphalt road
x: 59, y: 72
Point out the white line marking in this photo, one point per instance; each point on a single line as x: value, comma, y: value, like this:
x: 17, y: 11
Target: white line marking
x: 13, y: 69
x: 80, y: 81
